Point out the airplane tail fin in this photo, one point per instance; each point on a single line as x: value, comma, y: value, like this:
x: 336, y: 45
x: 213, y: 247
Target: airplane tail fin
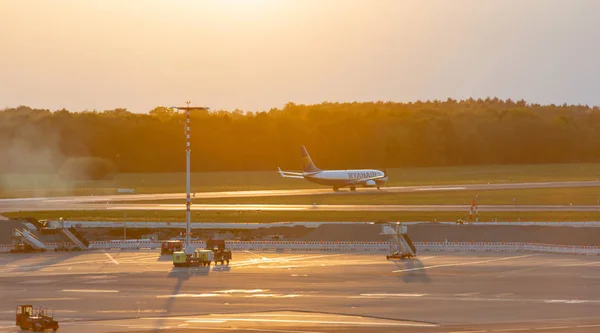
x: 307, y: 162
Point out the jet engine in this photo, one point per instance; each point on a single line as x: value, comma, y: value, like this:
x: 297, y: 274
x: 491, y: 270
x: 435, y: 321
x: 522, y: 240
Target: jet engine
x: 370, y: 183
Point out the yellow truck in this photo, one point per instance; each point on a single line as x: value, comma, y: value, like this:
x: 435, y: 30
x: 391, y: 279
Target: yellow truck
x: 200, y: 258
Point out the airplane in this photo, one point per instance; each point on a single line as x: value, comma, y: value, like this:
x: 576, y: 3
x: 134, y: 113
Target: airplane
x: 336, y: 178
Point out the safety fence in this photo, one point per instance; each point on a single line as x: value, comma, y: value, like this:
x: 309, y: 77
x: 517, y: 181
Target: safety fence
x: 317, y: 246
x: 506, y: 247
x: 322, y: 246
x: 242, y: 225
x: 48, y: 246
x: 5, y: 248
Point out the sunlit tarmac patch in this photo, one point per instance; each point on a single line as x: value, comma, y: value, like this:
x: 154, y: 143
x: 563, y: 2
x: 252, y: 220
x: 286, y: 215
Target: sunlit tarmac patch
x: 190, y: 295
x: 242, y: 291
x: 295, y: 319
x: 275, y: 295
x: 388, y: 295
x: 89, y: 291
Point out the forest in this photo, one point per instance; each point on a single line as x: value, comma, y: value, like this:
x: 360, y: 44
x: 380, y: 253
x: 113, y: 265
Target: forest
x: 337, y: 135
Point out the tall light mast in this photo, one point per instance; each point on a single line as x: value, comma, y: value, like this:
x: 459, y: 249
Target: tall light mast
x: 188, y: 152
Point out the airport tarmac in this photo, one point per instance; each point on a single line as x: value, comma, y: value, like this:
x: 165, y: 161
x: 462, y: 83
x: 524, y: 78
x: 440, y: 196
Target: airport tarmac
x: 138, y: 291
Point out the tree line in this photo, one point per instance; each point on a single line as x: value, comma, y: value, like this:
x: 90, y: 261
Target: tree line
x: 337, y: 135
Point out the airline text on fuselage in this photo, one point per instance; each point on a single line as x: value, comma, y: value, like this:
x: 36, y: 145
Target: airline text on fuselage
x: 362, y: 174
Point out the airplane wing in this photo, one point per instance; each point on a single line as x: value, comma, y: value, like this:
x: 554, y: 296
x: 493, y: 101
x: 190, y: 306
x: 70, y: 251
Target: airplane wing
x: 288, y: 174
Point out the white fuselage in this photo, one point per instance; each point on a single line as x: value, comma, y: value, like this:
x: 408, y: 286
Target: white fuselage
x: 342, y: 178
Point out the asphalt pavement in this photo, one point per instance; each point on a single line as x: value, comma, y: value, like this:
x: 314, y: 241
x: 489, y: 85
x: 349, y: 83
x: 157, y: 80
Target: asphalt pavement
x: 139, y: 291
x: 117, y: 202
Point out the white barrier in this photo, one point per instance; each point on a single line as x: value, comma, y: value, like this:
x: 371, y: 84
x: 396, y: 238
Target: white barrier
x: 505, y: 247
x: 5, y: 248
x: 239, y: 225
x: 308, y: 246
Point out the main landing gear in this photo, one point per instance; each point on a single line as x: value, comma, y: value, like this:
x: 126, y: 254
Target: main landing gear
x: 352, y: 188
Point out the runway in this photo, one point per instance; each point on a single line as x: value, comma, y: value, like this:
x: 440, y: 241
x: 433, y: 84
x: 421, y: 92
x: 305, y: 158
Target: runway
x: 118, y: 202
x: 305, y: 208
x: 120, y: 291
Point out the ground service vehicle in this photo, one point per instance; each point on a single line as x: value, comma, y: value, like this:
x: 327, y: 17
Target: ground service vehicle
x: 399, y: 256
x: 37, y: 321
x: 170, y: 246
x: 200, y: 258
x: 220, y: 253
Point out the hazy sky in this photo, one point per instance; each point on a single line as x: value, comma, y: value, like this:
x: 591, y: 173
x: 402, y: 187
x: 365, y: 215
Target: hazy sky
x: 258, y: 54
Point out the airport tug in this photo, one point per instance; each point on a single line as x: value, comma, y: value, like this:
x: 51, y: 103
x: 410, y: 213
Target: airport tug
x: 37, y: 321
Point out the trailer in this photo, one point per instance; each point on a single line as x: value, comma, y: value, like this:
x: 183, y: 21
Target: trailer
x: 221, y: 254
x: 200, y: 258
x: 38, y: 321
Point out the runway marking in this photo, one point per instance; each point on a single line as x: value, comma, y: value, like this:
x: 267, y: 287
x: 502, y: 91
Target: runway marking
x: 89, y: 291
x: 274, y: 295
x: 111, y: 258
x: 513, y: 330
x: 191, y: 295
x: 389, y: 295
x: 572, y: 301
x: 466, y: 294
x: 272, y: 330
x: 580, y: 264
x: 530, y: 329
x: 551, y: 328
x: 50, y: 299
x: 243, y: 291
x: 462, y: 264
x: 440, y: 188
x: 132, y: 311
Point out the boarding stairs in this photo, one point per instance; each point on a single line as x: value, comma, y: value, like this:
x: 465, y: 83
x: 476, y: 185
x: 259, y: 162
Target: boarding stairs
x: 76, y: 237
x: 30, y: 238
x: 402, y: 242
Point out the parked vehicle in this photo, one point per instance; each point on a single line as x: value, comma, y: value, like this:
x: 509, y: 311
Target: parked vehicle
x: 200, y: 258
x: 170, y: 246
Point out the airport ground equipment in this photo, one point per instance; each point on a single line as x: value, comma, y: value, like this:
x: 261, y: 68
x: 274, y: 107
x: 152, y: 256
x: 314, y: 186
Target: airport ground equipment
x: 76, y: 237
x: 200, y: 258
x: 404, y: 247
x: 29, y: 238
x: 37, y: 320
x: 171, y: 246
x: 221, y: 254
